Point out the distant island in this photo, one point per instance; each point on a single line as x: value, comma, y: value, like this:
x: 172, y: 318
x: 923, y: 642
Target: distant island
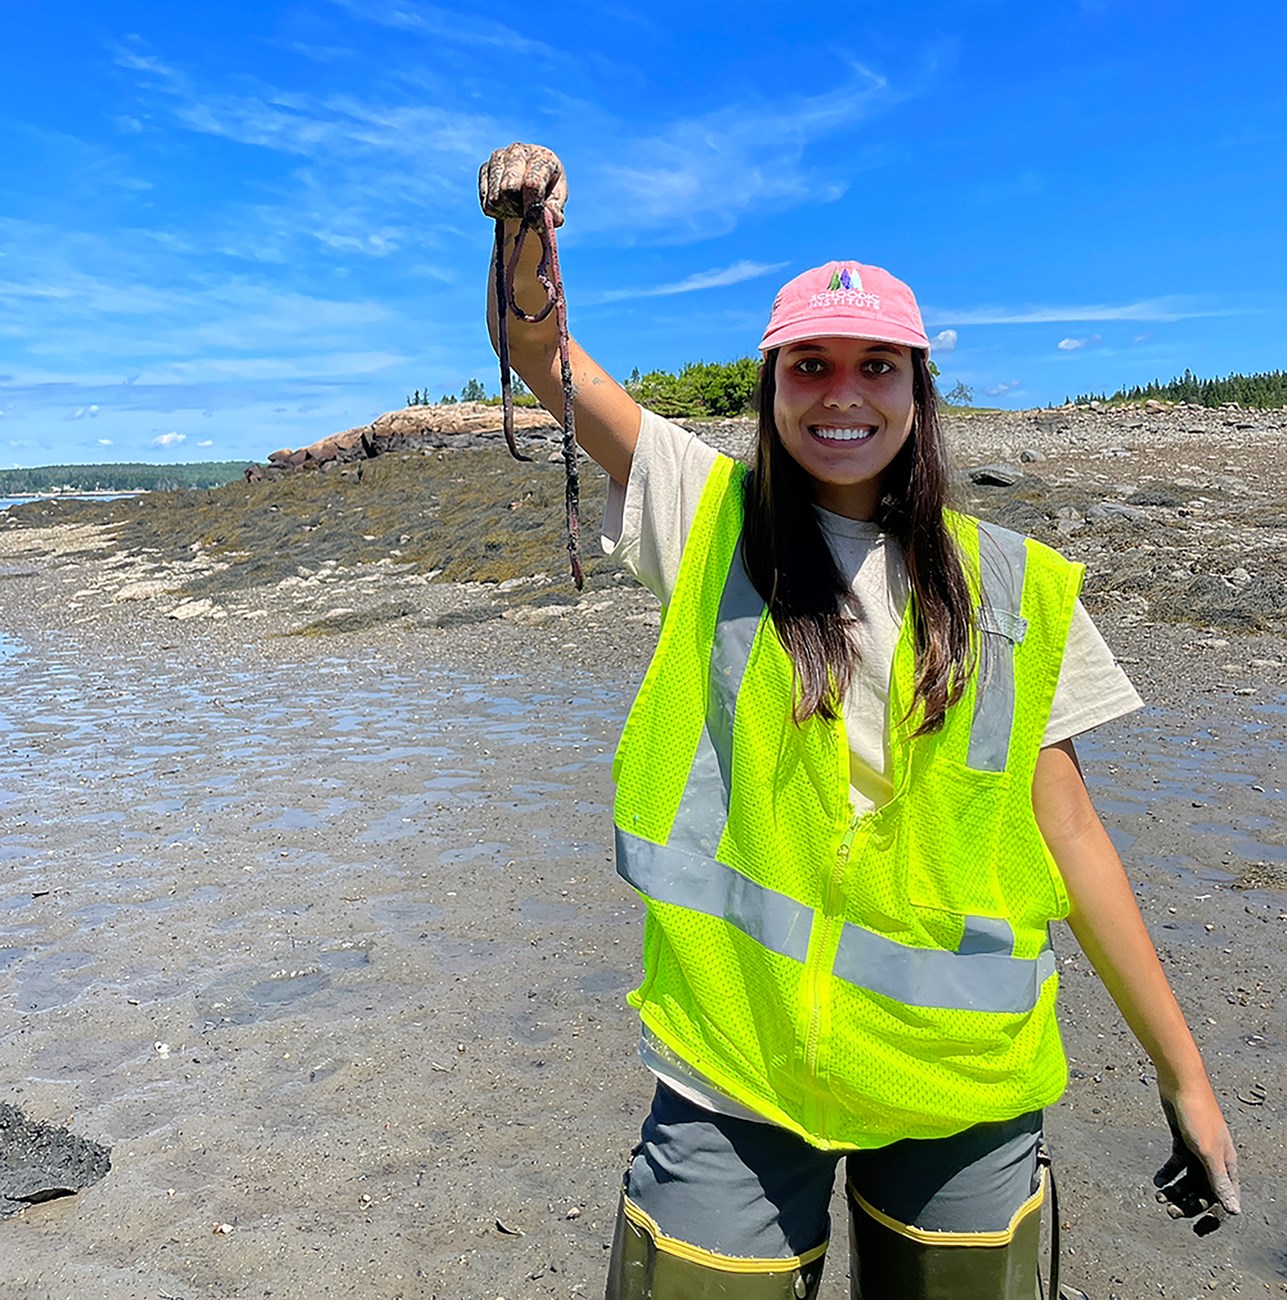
x: 44, y: 479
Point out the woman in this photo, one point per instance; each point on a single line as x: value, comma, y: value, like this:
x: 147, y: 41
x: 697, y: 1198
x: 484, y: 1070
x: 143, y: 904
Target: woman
x: 848, y: 793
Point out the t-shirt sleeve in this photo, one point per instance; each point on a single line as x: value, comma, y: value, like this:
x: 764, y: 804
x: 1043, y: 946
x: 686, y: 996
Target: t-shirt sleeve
x: 646, y: 524
x: 1092, y: 687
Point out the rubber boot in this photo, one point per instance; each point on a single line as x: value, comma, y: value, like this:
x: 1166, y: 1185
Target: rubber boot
x: 645, y: 1267
x: 885, y: 1263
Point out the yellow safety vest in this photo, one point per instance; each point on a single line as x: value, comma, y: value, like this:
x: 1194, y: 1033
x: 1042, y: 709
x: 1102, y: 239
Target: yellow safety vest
x: 856, y: 979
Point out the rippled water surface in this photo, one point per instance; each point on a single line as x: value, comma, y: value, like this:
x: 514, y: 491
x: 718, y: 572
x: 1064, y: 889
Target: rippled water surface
x: 159, y: 825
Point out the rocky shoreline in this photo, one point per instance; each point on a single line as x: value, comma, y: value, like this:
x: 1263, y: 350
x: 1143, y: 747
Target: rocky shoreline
x: 1179, y: 513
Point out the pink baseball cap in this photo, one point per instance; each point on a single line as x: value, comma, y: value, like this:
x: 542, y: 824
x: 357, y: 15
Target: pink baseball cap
x: 845, y: 300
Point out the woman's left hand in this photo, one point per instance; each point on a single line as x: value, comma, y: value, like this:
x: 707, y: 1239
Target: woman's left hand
x: 1200, y: 1180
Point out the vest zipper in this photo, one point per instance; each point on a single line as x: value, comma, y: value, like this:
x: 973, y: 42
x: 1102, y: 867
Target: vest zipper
x: 820, y: 975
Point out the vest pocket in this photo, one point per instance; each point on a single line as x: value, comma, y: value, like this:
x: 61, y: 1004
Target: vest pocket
x: 956, y: 840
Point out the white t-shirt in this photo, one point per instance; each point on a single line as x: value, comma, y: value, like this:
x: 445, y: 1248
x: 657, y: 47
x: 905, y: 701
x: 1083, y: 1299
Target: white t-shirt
x: 645, y: 526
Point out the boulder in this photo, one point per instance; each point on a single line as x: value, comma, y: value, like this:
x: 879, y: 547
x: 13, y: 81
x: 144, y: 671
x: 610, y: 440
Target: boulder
x: 997, y: 475
x: 412, y: 429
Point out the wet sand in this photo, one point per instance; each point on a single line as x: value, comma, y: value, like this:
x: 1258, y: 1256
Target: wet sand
x: 323, y: 937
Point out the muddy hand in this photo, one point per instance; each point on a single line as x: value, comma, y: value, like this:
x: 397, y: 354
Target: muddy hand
x: 1200, y: 1180
x: 514, y: 181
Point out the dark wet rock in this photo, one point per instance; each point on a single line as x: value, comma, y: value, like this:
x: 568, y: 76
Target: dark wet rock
x: 1263, y: 596
x: 1158, y: 495
x: 1022, y: 516
x: 997, y: 475
x: 1209, y: 599
x: 42, y: 1162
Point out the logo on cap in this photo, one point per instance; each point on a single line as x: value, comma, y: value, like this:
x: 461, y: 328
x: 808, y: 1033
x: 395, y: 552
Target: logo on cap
x: 844, y: 290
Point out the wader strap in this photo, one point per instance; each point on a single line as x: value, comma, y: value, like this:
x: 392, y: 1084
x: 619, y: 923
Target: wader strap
x: 1044, y: 1162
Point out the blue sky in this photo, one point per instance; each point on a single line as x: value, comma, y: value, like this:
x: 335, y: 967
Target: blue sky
x: 230, y: 228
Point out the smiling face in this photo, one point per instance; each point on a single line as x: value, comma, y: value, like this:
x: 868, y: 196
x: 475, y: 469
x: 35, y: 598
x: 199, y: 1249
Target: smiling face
x: 843, y: 409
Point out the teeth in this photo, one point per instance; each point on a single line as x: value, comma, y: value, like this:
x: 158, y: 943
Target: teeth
x: 834, y: 434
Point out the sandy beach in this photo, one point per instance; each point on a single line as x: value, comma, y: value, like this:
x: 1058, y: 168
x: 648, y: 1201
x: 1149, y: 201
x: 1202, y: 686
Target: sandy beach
x: 307, y: 904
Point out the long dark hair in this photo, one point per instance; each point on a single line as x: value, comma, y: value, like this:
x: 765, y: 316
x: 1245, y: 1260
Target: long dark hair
x: 790, y: 564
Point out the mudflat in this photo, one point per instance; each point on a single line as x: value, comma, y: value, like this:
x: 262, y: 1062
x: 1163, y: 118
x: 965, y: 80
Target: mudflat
x: 307, y: 906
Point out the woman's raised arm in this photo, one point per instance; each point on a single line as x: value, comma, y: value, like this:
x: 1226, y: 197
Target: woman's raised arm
x: 607, y: 417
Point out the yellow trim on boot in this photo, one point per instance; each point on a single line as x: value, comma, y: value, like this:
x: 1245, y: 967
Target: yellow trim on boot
x: 713, y: 1259
x: 928, y: 1237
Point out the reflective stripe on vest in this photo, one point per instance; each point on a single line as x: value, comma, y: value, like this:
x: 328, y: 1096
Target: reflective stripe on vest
x: 702, y: 815
x: 981, y: 975
x: 1002, y: 557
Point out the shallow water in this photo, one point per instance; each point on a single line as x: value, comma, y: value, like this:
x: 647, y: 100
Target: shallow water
x: 148, y: 808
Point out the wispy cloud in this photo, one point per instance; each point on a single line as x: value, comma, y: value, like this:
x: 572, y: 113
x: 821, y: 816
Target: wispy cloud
x: 314, y: 126
x: 714, y: 279
x: 999, y: 390
x: 1171, y: 308
x: 698, y: 176
x: 1075, y: 345
x: 451, y: 25
x: 368, y: 169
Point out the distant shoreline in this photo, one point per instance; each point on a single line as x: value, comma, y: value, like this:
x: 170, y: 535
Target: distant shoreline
x: 99, y: 494
x: 88, y: 492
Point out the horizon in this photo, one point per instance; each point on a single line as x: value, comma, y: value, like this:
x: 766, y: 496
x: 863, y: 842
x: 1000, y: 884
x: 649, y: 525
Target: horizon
x: 231, y: 231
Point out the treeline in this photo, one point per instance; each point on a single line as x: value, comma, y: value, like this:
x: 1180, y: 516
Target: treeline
x: 119, y: 478
x: 1264, y: 391
x: 474, y: 391
x: 701, y: 388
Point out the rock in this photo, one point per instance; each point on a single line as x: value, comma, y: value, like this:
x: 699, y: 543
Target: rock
x: 1030, y: 455
x: 196, y: 609
x: 532, y: 615
x: 40, y: 1162
x: 1106, y: 511
x: 1156, y: 495
x: 996, y: 475
x: 144, y: 590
